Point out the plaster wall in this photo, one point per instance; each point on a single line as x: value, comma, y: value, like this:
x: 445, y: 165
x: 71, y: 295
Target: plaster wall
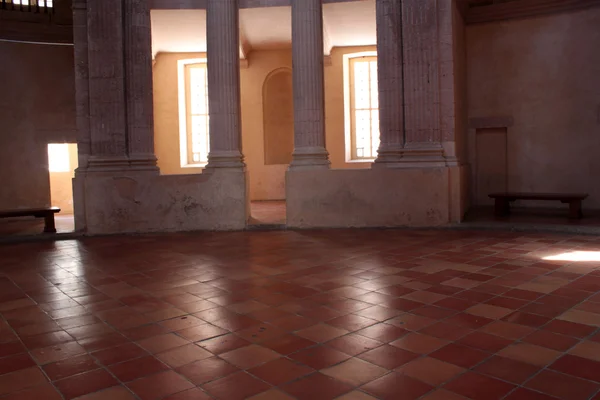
x: 37, y: 107
x: 146, y: 202
x: 267, y: 182
x: 542, y: 73
x: 373, y: 197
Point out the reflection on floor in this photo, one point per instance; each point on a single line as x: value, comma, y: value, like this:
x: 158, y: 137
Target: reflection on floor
x: 535, y: 218
x: 339, y: 314
x: 34, y: 226
x: 267, y: 213
x: 270, y: 213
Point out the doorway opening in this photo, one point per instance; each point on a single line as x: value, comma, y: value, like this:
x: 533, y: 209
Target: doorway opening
x: 62, y: 162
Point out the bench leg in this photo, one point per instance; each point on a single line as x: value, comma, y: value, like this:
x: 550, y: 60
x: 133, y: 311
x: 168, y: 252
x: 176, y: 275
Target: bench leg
x: 575, y: 211
x: 49, y: 226
x: 501, y: 207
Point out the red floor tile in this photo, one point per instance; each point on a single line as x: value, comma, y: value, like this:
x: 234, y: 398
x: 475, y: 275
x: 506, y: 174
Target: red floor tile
x: 87, y: 382
x: 550, y: 340
x: 280, y: 371
x: 15, y: 362
x: 389, y: 386
x: 249, y: 356
x: 69, y: 367
x: 506, y: 369
x: 120, y: 353
x: 174, y: 311
x: 562, y: 386
x: 526, y: 394
x: 138, y: 368
x: 479, y: 387
x: 353, y: 344
x: 160, y: 385
x: 223, y: 344
x: 578, y: 366
x: 289, y: 343
x: 316, y: 387
x: 237, y: 386
x: 388, y: 356
x: 319, y: 357
x: 45, y: 391
x: 460, y: 355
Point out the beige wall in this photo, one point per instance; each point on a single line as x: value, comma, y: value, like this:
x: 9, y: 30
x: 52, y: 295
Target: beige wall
x: 267, y: 182
x: 61, y: 184
x: 37, y: 107
x: 545, y: 73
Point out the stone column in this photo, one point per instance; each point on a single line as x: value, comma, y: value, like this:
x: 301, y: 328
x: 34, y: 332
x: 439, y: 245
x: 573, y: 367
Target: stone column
x: 423, y: 145
x: 82, y: 87
x: 309, y: 93
x: 390, y: 78
x: 224, y: 104
x: 108, y: 130
x: 138, y: 84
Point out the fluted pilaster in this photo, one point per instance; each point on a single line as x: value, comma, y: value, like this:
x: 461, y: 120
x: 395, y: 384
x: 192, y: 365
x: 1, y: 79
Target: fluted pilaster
x: 138, y: 84
x: 390, y: 65
x: 308, y: 77
x: 106, y: 91
x: 224, y: 84
x: 82, y: 88
x: 422, y: 83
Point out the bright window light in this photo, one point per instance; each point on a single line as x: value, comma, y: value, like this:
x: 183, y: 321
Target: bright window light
x: 576, y: 256
x: 41, y: 3
x: 58, y: 157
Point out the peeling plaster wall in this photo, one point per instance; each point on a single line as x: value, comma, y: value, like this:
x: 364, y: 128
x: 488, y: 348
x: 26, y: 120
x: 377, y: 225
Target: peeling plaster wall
x: 372, y: 198
x: 150, y: 203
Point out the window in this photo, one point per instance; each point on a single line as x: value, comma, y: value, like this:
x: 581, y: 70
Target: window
x: 193, y: 113
x: 362, y: 106
x: 12, y: 4
x: 58, y: 157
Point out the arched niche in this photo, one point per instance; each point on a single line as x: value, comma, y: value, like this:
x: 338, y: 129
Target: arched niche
x: 278, y: 117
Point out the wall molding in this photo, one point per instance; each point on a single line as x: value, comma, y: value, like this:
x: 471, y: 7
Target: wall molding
x: 201, y: 4
x: 524, y: 9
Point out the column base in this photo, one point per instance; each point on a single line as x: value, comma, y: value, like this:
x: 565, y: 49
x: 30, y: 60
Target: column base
x: 225, y: 159
x: 142, y: 162
x: 411, y: 155
x: 388, y: 155
x: 308, y: 158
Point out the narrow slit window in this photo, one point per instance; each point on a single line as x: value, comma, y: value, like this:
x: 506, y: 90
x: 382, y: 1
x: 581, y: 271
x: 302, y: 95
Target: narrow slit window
x: 197, y: 118
x: 364, y: 108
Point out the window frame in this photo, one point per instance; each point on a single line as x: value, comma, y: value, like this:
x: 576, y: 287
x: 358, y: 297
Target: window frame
x: 349, y: 110
x: 184, y: 95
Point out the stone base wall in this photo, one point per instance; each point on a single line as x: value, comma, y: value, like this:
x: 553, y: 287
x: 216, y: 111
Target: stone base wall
x: 425, y: 197
x: 145, y: 202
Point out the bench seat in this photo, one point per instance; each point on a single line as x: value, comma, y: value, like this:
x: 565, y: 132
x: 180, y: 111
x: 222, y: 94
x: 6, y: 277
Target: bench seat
x: 503, y: 200
x: 46, y: 213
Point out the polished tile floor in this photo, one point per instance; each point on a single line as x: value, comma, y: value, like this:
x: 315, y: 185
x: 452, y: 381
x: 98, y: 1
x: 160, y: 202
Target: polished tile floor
x: 352, y: 315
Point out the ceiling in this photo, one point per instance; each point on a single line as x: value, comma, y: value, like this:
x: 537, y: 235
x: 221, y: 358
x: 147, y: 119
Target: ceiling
x: 345, y: 24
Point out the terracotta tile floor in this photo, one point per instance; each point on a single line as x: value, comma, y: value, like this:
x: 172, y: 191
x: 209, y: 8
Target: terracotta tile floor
x: 352, y: 315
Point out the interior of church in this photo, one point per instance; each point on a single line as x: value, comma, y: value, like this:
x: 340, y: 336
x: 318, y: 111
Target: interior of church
x: 500, y: 72
x: 299, y: 199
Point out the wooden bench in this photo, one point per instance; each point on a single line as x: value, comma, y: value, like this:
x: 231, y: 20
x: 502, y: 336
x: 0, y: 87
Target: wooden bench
x: 46, y: 213
x: 503, y: 200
